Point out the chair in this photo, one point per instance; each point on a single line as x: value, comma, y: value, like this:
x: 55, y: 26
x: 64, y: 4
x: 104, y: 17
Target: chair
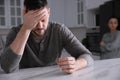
x: 1, y: 45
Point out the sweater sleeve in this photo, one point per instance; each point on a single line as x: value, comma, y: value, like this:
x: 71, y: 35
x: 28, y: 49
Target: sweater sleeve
x: 103, y: 48
x: 74, y: 47
x: 10, y: 60
x: 113, y: 45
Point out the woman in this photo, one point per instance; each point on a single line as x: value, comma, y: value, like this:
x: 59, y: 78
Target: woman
x: 110, y: 44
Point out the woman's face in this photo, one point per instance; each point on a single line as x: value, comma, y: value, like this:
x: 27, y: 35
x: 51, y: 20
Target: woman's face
x: 113, y: 24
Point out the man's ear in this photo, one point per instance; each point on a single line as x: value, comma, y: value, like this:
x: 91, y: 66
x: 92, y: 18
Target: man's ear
x: 49, y: 11
x: 24, y: 10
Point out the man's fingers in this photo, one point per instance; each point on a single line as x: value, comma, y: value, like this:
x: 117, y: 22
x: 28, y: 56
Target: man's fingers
x: 68, y: 70
x: 37, y: 19
x: 36, y: 15
x: 32, y: 12
x: 40, y: 18
x: 40, y: 14
x: 72, y: 62
x: 67, y: 66
x: 66, y: 59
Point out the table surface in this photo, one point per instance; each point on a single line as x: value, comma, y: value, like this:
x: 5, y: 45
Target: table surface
x: 101, y: 70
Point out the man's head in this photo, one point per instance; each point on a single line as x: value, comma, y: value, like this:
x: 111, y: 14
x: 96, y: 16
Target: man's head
x: 35, y: 4
x: 30, y: 5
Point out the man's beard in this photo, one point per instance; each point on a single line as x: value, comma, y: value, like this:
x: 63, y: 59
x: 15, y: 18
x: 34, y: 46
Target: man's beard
x: 38, y: 32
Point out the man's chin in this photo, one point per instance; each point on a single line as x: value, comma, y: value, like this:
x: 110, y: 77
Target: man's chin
x: 40, y: 33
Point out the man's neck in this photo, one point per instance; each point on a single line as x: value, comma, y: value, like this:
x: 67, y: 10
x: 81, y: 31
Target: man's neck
x: 36, y: 37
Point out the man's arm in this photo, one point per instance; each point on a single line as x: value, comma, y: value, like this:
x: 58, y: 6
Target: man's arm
x: 81, y: 56
x: 8, y: 57
x: 14, y: 50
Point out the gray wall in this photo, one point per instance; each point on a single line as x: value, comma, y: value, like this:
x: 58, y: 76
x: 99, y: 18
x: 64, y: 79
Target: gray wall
x: 79, y: 32
x: 3, y: 33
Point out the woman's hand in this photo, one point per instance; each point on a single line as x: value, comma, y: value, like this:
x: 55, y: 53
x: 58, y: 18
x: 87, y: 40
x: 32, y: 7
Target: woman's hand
x: 102, y: 43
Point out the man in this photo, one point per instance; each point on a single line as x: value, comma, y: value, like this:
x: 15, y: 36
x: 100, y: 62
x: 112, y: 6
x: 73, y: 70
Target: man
x: 38, y: 42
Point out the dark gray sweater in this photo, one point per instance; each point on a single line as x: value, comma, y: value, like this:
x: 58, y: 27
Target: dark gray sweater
x: 46, y: 52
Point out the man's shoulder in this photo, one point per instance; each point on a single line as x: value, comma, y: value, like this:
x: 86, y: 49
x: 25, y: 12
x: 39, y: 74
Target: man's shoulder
x: 13, y: 32
x: 56, y: 25
x: 17, y: 28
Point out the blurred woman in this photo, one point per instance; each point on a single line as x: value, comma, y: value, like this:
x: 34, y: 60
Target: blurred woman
x: 110, y: 43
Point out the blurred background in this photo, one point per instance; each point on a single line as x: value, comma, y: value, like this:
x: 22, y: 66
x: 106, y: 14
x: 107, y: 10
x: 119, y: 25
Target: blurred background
x: 87, y: 19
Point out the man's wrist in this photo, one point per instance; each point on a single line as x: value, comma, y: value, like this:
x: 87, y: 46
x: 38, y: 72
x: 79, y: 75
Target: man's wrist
x: 24, y: 29
x: 81, y: 63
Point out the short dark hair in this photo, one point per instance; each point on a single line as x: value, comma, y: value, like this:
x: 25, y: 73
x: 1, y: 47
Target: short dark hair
x: 113, y: 17
x: 35, y: 4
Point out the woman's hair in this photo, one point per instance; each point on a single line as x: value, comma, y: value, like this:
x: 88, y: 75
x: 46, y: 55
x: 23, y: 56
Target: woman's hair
x: 34, y: 4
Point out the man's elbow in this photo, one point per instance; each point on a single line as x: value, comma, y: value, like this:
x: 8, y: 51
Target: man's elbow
x: 89, y: 59
x: 7, y: 69
x: 91, y: 62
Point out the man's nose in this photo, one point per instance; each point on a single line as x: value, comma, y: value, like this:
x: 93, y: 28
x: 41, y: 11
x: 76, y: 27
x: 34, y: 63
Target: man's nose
x: 40, y: 23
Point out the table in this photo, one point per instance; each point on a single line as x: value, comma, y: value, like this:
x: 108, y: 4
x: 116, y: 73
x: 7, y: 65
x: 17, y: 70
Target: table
x: 101, y: 70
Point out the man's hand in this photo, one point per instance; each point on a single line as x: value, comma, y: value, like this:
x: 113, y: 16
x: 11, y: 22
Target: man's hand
x: 31, y: 18
x: 69, y: 64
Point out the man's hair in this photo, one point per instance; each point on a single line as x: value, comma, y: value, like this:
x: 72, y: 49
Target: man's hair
x: 35, y: 4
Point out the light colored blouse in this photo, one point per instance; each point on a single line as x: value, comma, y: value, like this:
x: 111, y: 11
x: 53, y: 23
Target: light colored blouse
x: 111, y: 49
